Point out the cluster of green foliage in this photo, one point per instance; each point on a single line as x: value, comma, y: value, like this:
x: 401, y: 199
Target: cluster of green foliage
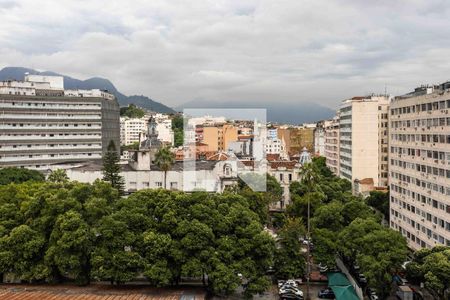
x: 289, y: 258
x: 177, y: 127
x: 380, y: 201
x: 132, y: 111
x: 344, y: 224
x: 18, y: 175
x: 59, y: 230
x: 431, y: 266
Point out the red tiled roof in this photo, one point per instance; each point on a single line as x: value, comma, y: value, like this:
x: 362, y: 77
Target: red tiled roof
x: 94, y: 291
x: 281, y: 164
x: 272, y: 157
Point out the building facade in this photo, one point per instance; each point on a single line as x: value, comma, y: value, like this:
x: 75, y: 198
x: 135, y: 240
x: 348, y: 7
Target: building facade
x: 43, y: 125
x: 131, y: 129
x: 319, y: 137
x: 363, y: 139
x: 332, y: 145
x: 218, y: 137
x: 419, y: 166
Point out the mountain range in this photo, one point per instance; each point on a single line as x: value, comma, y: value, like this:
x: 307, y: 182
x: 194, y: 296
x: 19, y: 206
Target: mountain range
x: 91, y: 83
x: 277, y: 111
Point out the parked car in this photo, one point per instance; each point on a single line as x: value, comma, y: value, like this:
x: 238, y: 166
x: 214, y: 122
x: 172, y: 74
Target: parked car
x: 361, y: 278
x: 372, y: 294
x: 326, y: 293
x: 290, y: 293
x: 323, y: 268
x: 290, y: 282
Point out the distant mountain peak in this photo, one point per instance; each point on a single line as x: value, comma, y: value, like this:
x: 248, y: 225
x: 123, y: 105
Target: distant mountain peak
x: 18, y: 73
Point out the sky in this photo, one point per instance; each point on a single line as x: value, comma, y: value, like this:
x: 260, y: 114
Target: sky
x: 284, y: 51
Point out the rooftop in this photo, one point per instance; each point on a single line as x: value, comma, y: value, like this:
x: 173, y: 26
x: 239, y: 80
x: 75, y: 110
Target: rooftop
x: 97, y: 292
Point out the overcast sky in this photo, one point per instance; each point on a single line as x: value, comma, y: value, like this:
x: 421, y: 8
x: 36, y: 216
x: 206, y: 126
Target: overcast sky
x: 278, y: 50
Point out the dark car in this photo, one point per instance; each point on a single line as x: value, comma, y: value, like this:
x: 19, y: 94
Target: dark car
x: 327, y: 294
x: 362, y: 279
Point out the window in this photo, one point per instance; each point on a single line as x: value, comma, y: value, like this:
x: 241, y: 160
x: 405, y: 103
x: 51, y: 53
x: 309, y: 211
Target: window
x: 158, y: 184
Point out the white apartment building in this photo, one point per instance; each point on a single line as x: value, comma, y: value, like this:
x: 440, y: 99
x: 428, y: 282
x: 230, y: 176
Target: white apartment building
x: 319, y: 137
x: 42, y: 125
x: 164, y: 128
x: 331, y: 129
x: 363, y: 139
x: 419, y: 166
x: 131, y: 128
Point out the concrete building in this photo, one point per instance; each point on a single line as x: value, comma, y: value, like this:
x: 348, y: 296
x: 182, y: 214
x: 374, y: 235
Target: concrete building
x: 217, y: 137
x: 131, y: 129
x: 164, y: 128
x: 332, y: 145
x: 363, y: 139
x: 43, y: 125
x: 419, y: 166
x: 319, y: 137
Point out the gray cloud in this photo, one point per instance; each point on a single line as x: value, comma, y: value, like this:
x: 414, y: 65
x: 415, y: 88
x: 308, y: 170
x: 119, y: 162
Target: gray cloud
x: 177, y: 51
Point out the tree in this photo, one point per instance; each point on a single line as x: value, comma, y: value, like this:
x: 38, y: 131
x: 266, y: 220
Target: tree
x: 115, y: 257
x: 432, y: 266
x: 111, y: 168
x: 289, y: 259
x: 58, y: 176
x: 164, y: 159
x: 329, y: 216
x: 380, y: 201
x: 310, y: 176
x: 380, y: 251
x: 19, y: 175
x: 70, y: 246
x: 325, y: 246
x: 177, y: 127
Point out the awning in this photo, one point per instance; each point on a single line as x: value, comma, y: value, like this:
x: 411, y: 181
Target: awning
x: 337, y: 279
x: 344, y: 292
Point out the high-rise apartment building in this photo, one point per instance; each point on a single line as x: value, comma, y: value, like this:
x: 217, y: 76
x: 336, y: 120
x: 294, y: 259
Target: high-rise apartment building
x: 43, y: 125
x: 419, y: 166
x: 363, y: 139
x: 331, y: 129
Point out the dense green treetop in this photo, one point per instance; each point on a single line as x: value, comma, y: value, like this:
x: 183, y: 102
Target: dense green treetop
x: 19, y: 175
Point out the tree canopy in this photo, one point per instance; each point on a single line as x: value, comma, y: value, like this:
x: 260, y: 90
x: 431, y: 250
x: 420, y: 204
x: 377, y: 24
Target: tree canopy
x: 19, y: 175
x: 59, y: 231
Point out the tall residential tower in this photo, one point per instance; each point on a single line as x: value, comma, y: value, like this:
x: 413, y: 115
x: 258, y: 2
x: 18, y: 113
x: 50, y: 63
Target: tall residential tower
x: 419, y: 166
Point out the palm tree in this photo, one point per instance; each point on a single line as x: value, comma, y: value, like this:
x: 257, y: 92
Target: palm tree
x: 310, y: 177
x: 164, y: 159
